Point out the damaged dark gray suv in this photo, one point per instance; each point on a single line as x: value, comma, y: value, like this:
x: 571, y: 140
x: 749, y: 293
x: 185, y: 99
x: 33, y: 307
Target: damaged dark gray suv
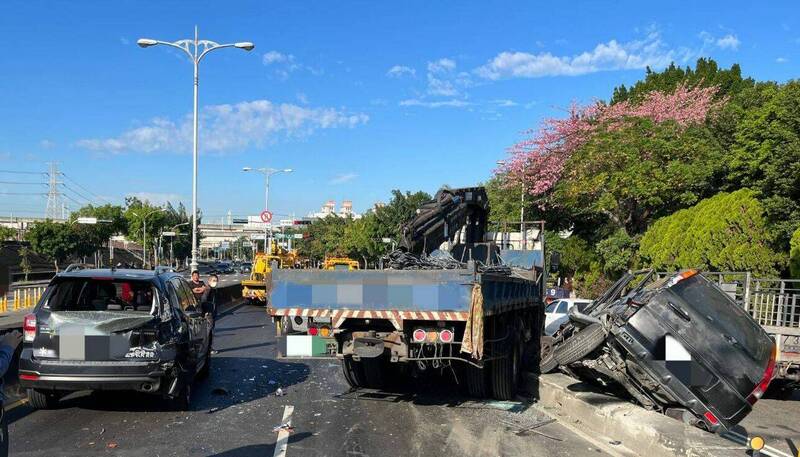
x: 678, y: 345
x: 110, y: 329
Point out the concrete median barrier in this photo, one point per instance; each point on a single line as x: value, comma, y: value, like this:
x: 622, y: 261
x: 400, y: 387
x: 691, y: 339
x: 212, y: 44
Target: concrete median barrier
x: 620, y: 422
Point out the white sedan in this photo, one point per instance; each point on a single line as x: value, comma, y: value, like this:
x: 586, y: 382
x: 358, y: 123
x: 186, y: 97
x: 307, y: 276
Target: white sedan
x: 557, y: 312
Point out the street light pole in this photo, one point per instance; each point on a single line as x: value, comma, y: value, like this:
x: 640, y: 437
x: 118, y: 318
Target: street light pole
x: 144, y: 233
x: 267, y: 173
x: 193, y: 49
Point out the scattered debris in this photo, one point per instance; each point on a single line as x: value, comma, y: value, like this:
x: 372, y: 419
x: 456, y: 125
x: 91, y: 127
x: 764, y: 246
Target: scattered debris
x: 279, y: 392
x: 102, y: 430
x: 287, y: 426
x: 112, y: 445
x: 615, y: 442
x: 213, y: 410
x: 272, y: 381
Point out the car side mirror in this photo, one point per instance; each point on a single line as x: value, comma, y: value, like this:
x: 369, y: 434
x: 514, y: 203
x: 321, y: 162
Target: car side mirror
x: 555, y: 261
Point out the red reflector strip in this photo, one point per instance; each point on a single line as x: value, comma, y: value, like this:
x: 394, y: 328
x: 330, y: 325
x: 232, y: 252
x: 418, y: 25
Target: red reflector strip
x: 711, y: 418
x: 29, y: 377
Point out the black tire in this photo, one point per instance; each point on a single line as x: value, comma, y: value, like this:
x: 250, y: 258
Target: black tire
x: 505, y: 375
x: 373, y: 372
x: 547, y: 359
x: 580, y: 344
x: 183, y: 401
x: 353, y: 373
x: 39, y: 399
x: 477, y: 382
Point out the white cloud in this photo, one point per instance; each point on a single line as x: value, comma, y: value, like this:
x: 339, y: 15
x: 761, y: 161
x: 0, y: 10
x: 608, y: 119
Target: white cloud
x: 442, y: 65
x: 46, y: 144
x: 302, y: 98
x: 398, y: 71
x: 343, y: 178
x: 5, y: 155
x: 227, y: 128
x: 613, y: 55
x: 455, y: 103
x: 781, y: 60
x: 272, y: 57
x: 286, y: 64
x: 729, y: 41
x: 504, y: 103
x: 156, y: 198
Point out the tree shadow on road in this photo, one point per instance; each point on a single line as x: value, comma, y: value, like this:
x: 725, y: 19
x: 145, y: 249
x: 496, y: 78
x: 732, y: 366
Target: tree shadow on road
x: 260, y: 450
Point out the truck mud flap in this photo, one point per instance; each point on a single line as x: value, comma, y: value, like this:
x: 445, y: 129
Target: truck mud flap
x: 368, y: 348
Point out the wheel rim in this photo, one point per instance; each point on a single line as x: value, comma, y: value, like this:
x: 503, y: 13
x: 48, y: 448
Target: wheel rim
x: 547, y: 348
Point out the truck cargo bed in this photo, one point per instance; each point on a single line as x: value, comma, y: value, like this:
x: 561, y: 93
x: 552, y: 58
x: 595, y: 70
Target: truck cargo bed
x: 400, y: 290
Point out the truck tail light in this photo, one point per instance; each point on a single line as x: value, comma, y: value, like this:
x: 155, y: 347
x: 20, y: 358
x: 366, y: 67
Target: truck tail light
x: 313, y: 331
x: 325, y: 331
x: 446, y: 336
x: 419, y: 335
x: 29, y: 377
x: 29, y: 328
x: 769, y: 372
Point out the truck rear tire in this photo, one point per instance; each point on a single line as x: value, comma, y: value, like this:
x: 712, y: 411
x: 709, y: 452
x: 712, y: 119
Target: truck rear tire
x: 477, y: 382
x: 505, y: 374
x: 353, y: 373
x: 580, y: 344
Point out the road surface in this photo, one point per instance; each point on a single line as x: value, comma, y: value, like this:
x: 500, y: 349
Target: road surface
x: 235, y: 411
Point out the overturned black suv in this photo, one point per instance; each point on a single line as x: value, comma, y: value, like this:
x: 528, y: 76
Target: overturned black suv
x: 679, y: 345
x: 109, y: 329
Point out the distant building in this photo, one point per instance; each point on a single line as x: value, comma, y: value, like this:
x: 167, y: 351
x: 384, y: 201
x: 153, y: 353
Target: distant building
x: 329, y: 209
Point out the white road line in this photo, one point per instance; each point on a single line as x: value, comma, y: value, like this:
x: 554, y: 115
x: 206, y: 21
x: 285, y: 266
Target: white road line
x: 282, y: 442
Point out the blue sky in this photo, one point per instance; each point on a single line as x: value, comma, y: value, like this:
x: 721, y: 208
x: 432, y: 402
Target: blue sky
x: 358, y: 97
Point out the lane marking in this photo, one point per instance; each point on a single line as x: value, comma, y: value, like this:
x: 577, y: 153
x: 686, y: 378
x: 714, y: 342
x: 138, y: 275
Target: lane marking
x: 284, y: 430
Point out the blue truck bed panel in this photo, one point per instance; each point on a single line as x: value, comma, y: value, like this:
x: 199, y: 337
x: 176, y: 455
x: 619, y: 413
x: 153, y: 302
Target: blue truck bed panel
x: 401, y: 290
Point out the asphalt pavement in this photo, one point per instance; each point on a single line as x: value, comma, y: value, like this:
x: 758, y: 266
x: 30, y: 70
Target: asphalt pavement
x: 235, y: 411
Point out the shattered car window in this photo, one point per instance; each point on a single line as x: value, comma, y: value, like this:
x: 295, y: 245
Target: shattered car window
x: 100, y: 294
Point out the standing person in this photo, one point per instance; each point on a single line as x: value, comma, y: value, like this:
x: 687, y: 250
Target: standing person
x: 8, y: 345
x: 199, y: 288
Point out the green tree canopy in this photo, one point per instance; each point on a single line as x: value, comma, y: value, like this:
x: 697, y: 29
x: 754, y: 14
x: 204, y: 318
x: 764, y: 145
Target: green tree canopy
x: 766, y: 156
x: 54, y: 240
x: 794, y: 255
x: 641, y: 171
x: 726, y: 232
x: 7, y: 233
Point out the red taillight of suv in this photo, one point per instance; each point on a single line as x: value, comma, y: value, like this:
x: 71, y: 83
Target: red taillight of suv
x: 29, y: 328
x: 761, y: 387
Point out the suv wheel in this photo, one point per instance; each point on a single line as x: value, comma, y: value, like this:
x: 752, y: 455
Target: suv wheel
x: 39, y: 399
x: 580, y: 344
